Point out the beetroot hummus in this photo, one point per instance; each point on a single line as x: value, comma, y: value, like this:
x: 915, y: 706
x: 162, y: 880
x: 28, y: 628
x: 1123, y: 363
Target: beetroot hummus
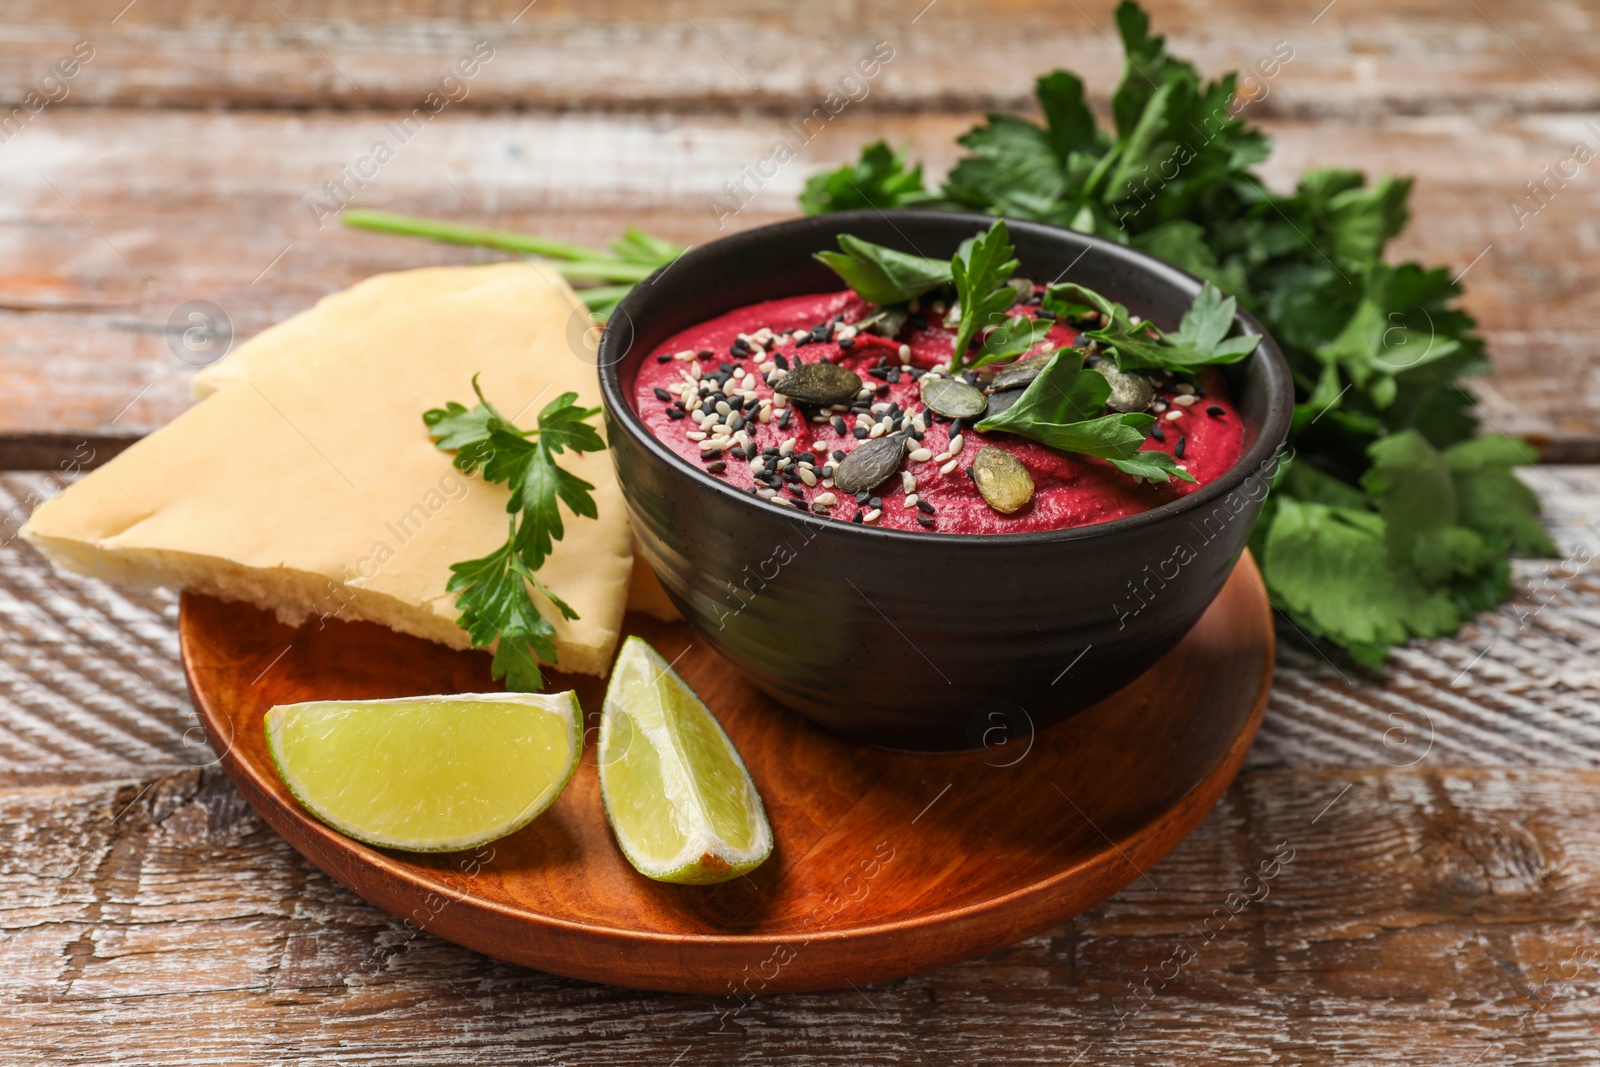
x: 708, y: 394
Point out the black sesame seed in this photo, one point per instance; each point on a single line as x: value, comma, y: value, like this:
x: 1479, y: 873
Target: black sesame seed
x: 725, y: 367
x: 663, y: 396
x: 737, y: 453
x: 1177, y: 449
x: 771, y: 452
x: 664, y: 357
x: 972, y: 476
x: 839, y: 453
x: 926, y: 521
x: 925, y: 507
x: 710, y: 454
x: 1046, y: 313
x: 1158, y: 433
x: 847, y: 343
x: 801, y: 504
x: 955, y: 427
x: 860, y: 432
x: 863, y: 496
x: 780, y: 362
x: 875, y: 502
x: 882, y: 390
x: 783, y: 418
x: 857, y: 517
x: 881, y: 373
x: 1215, y: 411
x: 827, y: 470
x: 705, y: 353
x: 839, y: 425
x: 674, y: 413
x: 716, y: 468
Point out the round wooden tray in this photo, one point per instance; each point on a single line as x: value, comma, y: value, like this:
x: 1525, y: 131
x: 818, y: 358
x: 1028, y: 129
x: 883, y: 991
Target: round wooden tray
x: 885, y: 863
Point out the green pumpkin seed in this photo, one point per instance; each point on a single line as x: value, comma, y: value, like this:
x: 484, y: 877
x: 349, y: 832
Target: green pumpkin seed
x: 820, y: 383
x: 1020, y: 375
x: 1023, y: 286
x: 1002, y: 479
x: 953, y: 398
x: 1129, y: 392
x: 870, y: 465
x: 885, y: 322
x: 999, y: 402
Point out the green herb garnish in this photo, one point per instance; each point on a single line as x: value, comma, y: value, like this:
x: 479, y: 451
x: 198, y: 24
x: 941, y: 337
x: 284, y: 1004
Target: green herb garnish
x: 883, y: 275
x: 1200, y: 340
x: 493, y: 592
x: 1391, y: 520
x: 1064, y: 408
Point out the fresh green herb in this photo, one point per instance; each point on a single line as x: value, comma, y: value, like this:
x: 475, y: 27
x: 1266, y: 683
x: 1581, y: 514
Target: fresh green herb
x: 880, y: 180
x: 632, y: 258
x: 1377, y: 350
x: 493, y: 592
x: 1201, y: 338
x: 982, y: 271
x: 883, y: 275
x: 1064, y: 408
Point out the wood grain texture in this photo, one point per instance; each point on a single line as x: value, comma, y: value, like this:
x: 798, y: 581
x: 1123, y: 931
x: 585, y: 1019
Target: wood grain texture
x: 1518, y: 687
x: 1359, y: 57
x: 884, y: 863
x: 1413, y: 917
x: 113, y: 219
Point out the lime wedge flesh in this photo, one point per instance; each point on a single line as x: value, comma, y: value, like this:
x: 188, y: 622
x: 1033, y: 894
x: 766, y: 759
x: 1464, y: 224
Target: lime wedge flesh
x: 677, y: 795
x: 428, y: 774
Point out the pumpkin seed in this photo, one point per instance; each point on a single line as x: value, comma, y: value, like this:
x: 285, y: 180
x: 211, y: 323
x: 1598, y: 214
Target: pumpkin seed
x: 820, y: 383
x: 1129, y: 392
x: 870, y: 465
x: 999, y: 402
x: 953, y: 398
x: 1021, y: 374
x: 886, y: 321
x: 1002, y: 479
x: 1023, y: 286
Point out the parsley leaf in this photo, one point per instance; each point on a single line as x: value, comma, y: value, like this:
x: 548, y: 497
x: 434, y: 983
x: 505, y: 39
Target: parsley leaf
x: 493, y: 593
x: 1064, y: 408
x: 883, y: 275
x: 1201, y: 339
x: 1377, y: 350
x: 879, y: 180
x: 981, y: 271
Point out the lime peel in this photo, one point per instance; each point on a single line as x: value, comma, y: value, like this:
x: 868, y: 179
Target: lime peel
x: 678, y: 797
x: 431, y: 773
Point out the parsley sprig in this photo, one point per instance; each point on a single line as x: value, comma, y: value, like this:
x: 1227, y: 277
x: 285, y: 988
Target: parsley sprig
x: 1393, y: 520
x: 493, y: 593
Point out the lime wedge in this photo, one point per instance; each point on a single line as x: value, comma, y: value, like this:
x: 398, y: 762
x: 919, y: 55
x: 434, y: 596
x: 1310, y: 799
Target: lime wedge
x: 677, y: 795
x: 428, y: 774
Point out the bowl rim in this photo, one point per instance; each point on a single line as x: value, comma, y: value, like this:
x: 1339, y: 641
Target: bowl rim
x: 1272, y: 436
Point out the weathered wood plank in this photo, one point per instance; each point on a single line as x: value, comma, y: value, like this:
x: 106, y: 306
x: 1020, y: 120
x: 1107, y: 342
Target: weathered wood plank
x: 1359, y: 57
x: 1315, y: 917
x: 91, y: 690
x: 116, y: 218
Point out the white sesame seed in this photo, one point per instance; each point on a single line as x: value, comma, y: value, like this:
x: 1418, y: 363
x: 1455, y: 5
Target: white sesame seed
x: 800, y: 335
x: 1135, y: 319
x: 1183, y: 389
x: 1184, y: 399
x: 695, y: 435
x: 1181, y: 466
x: 785, y: 462
x: 1175, y: 413
x: 819, y: 418
x: 944, y: 457
x: 787, y: 448
x: 920, y: 455
x: 768, y: 367
x: 948, y: 467
x: 876, y: 431
x: 863, y: 421
x: 766, y: 494
x: 694, y: 371
x: 911, y: 500
x: 908, y: 481
x: 872, y: 516
x: 827, y: 483
x: 919, y: 423
x: 779, y: 400
x: 697, y: 416
x: 938, y: 307
x: 723, y: 408
x: 844, y: 333
x: 879, y: 409
x: 957, y: 443
x: 807, y: 477
x: 743, y: 439
x: 827, y: 500
x: 765, y: 414
x: 685, y: 355
x: 707, y: 446
x: 905, y: 355
x: 914, y: 305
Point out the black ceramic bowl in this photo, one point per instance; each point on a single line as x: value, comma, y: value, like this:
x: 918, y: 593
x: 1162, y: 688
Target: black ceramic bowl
x: 915, y: 640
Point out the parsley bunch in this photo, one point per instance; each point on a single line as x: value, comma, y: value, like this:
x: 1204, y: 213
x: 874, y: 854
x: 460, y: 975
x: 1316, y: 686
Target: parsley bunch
x: 1390, y: 519
x: 493, y: 592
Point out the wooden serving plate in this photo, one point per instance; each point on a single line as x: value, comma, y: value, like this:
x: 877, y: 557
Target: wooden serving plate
x: 885, y: 863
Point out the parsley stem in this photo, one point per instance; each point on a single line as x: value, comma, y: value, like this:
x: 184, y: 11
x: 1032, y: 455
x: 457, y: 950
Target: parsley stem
x: 574, y: 261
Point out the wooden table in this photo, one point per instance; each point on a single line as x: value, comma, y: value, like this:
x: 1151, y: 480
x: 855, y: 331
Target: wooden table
x: 1443, y: 816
